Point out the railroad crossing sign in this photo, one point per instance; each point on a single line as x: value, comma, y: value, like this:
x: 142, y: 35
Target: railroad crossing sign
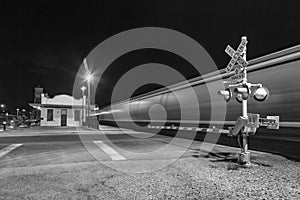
x: 236, y: 56
x: 247, y: 123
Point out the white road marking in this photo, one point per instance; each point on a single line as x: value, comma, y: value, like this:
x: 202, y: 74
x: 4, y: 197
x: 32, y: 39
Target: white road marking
x: 114, y: 155
x: 8, y: 149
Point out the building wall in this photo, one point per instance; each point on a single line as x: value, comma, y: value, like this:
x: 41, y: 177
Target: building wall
x: 57, y: 117
x: 59, y: 103
x: 71, y: 117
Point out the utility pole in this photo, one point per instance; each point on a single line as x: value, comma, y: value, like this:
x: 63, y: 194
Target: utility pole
x: 89, y: 102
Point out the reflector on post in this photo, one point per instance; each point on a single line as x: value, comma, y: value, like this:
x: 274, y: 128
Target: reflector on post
x: 226, y: 94
x: 261, y: 94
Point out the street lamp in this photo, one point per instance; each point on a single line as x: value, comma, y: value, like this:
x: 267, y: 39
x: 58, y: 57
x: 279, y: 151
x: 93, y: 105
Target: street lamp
x: 88, y: 78
x: 83, y: 89
x: 2, y: 107
x: 18, y: 112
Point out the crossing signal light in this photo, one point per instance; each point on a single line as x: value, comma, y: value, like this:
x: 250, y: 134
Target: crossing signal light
x: 226, y: 94
x: 242, y: 92
x: 261, y: 94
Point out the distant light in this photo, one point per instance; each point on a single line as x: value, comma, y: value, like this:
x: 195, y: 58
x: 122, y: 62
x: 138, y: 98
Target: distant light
x: 23, y: 110
x: 2, y: 105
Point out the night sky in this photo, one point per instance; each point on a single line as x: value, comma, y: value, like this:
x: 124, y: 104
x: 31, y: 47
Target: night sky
x: 44, y: 42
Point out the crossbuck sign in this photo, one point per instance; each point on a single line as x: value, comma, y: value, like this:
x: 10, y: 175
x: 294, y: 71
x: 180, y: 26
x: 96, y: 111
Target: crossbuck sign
x: 236, y: 56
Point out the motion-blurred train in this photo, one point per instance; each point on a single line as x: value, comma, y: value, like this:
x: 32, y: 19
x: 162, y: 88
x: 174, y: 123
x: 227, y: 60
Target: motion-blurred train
x: 279, y: 72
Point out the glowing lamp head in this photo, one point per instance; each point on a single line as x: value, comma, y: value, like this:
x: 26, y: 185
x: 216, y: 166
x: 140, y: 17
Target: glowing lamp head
x: 261, y: 94
x: 89, y: 77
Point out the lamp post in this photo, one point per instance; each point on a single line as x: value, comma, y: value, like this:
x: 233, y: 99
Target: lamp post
x: 88, y: 79
x: 6, y: 121
x: 83, y: 89
x: 18, y: 112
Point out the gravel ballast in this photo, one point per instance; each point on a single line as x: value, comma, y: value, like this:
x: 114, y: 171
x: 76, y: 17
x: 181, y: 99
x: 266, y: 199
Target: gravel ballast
x: 272, y: 177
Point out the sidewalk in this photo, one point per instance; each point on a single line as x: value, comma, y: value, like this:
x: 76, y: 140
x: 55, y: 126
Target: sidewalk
x: 38, y: 131
x: 59, y: 130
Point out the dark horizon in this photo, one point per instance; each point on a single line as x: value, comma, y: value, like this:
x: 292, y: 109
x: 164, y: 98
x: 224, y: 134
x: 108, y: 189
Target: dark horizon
x: 44, y: 42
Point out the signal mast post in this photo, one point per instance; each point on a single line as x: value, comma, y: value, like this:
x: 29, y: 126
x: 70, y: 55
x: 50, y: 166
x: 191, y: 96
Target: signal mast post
x: 247, y: 123
x: 244, y: 156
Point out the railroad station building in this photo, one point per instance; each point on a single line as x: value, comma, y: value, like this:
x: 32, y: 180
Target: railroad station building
x: 61, y: 110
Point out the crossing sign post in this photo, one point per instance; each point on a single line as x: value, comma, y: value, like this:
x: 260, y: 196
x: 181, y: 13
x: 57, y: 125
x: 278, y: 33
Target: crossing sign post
x: 247, y: 123
x: 238, y: 77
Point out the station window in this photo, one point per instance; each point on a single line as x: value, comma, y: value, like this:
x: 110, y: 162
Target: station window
x: 49, y: 114
x: 76, y: 115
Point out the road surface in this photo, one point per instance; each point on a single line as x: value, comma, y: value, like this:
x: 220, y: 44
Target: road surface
x: 111, y: 164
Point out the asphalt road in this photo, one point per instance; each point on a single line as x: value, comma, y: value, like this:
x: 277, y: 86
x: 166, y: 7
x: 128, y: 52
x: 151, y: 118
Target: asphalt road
x: 110, y: 164
x: 60, y: 146
x: 106, y: 145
